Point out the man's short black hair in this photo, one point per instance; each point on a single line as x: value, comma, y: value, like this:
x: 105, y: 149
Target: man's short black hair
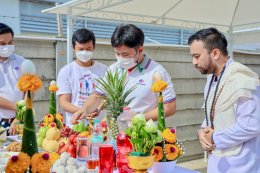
x: 5, y: 29
x: 83, y: 35
x: 127, y: 34
x: 212, y: 39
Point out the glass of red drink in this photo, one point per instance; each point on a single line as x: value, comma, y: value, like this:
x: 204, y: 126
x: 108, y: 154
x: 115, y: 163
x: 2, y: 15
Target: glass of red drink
x: 82, y: 149
x: 106, y: 153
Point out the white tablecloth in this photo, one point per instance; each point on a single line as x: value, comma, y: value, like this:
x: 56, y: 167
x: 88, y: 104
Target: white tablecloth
x: 176, y: 170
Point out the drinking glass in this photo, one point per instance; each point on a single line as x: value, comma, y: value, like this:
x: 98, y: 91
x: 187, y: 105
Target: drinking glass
x: 106, y: 153
x: 82, y: 149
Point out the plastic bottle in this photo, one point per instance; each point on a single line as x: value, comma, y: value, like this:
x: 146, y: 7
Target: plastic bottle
x: 97, y: 138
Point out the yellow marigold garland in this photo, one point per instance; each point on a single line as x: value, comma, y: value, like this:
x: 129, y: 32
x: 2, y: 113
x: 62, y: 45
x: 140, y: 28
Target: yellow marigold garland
x: 53, y: 88
x: 172, y: 151
x: 18, y: 164
x: 41, y: 163
x: 29, y: 82
x: 159, y: 86
x: 158, y: 153
x: 59, y: 117
x: 169, y: 136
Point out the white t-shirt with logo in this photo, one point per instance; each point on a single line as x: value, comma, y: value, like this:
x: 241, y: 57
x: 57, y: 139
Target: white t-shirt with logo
x: 79, y: 81
x: 144, y: 99
x: 10, y: 71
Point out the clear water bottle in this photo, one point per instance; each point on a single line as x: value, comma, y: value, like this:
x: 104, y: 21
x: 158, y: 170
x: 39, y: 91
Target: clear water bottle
x: 97, y: 138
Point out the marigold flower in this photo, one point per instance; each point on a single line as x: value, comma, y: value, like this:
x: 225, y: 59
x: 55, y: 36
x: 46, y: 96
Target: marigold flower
x: 18, y: 164
x: 29, y: 82
x: 172, y: 151
x: 52, y: 125
x: 53, y: 88
x: 59, y: 117
x: 54, y: 157
x: 169, y: 136
x: 159, y: 86
x: 41, y: 162
x: 158, y: 153
x: 49, y: 118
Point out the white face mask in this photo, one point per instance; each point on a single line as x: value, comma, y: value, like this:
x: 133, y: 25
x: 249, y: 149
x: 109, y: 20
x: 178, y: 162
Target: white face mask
x: 6, y: 50
x: 84, y: 56
x: 126, y: 63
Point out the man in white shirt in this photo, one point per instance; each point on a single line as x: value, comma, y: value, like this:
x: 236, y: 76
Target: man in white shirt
x: 77, y: 80
x: 10, y: 72
x: 231, y: 129
x: 127, y: 42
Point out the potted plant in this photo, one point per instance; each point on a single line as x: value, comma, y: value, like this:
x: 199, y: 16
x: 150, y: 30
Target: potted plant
x: 143, y: 136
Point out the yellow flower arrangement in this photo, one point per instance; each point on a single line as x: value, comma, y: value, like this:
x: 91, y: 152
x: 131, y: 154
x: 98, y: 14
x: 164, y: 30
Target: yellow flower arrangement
x: 159, y: 86
x: 59, y: 117
x: 29, y: 82
x: 41, y: 162
x: 53, y: 88
x: 170, y: 149
x: 158, y: 153
x: 18, y: 164
x: 53, y: 124
x: 169, y: 136
x: 49, y: 118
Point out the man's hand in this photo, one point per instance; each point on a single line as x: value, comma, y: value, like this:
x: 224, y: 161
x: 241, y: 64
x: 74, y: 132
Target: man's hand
x: 81, y: 114
x: 205, y: 139
x: 77, y: 116
x: 12, y: 128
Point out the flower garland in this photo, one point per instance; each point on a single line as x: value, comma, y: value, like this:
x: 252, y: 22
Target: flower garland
x: 170, y: 148
x: 39, y: 163
x: 29, y: 82
x: 18, y: 164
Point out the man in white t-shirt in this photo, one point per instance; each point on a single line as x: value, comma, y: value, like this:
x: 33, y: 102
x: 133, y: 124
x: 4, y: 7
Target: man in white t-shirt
x: 127, y: 41
x: 77, y: 80
x: 10, y: 72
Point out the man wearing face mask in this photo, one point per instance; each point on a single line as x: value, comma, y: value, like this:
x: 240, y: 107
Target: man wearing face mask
x: 127, y: 41
x: 77, y: 80
x: 10, y: 72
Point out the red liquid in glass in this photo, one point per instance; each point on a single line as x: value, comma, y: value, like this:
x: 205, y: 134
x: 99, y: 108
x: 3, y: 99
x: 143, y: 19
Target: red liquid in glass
x: 106, y: 153
x: 92, y: 163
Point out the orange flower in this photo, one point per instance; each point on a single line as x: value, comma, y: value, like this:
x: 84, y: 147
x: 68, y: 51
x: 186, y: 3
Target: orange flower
x: 41, y: 162
x: 172, y: 151
x: 158, y: 153
x: 29, y: 82
x: 53, y: 88
x: 18, y: 164
x: 169, y: 136
x: 59, y: 117
x: 49, y: 118
x: 159, y: 86
x: 53, y: 124
x: 54, y: 157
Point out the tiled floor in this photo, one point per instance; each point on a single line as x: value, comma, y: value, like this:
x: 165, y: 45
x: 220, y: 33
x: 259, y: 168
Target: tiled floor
x: 198, y: 165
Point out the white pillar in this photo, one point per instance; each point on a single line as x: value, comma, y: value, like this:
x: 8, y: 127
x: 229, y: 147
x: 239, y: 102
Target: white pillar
x: 69, y: 35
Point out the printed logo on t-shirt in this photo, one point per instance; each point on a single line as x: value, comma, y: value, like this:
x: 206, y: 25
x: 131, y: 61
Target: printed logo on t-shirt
x: 16, y: 68
x: 86, y: 88
x: 140, y: 82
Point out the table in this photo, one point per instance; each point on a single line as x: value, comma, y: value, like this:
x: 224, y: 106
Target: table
x: 178, y: 169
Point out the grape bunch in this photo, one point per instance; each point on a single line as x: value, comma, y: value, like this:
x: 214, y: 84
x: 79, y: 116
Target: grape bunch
x: 66, y: 132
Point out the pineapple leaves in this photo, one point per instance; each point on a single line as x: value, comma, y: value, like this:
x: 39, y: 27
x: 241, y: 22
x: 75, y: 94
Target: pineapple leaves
x: 113, y: 85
